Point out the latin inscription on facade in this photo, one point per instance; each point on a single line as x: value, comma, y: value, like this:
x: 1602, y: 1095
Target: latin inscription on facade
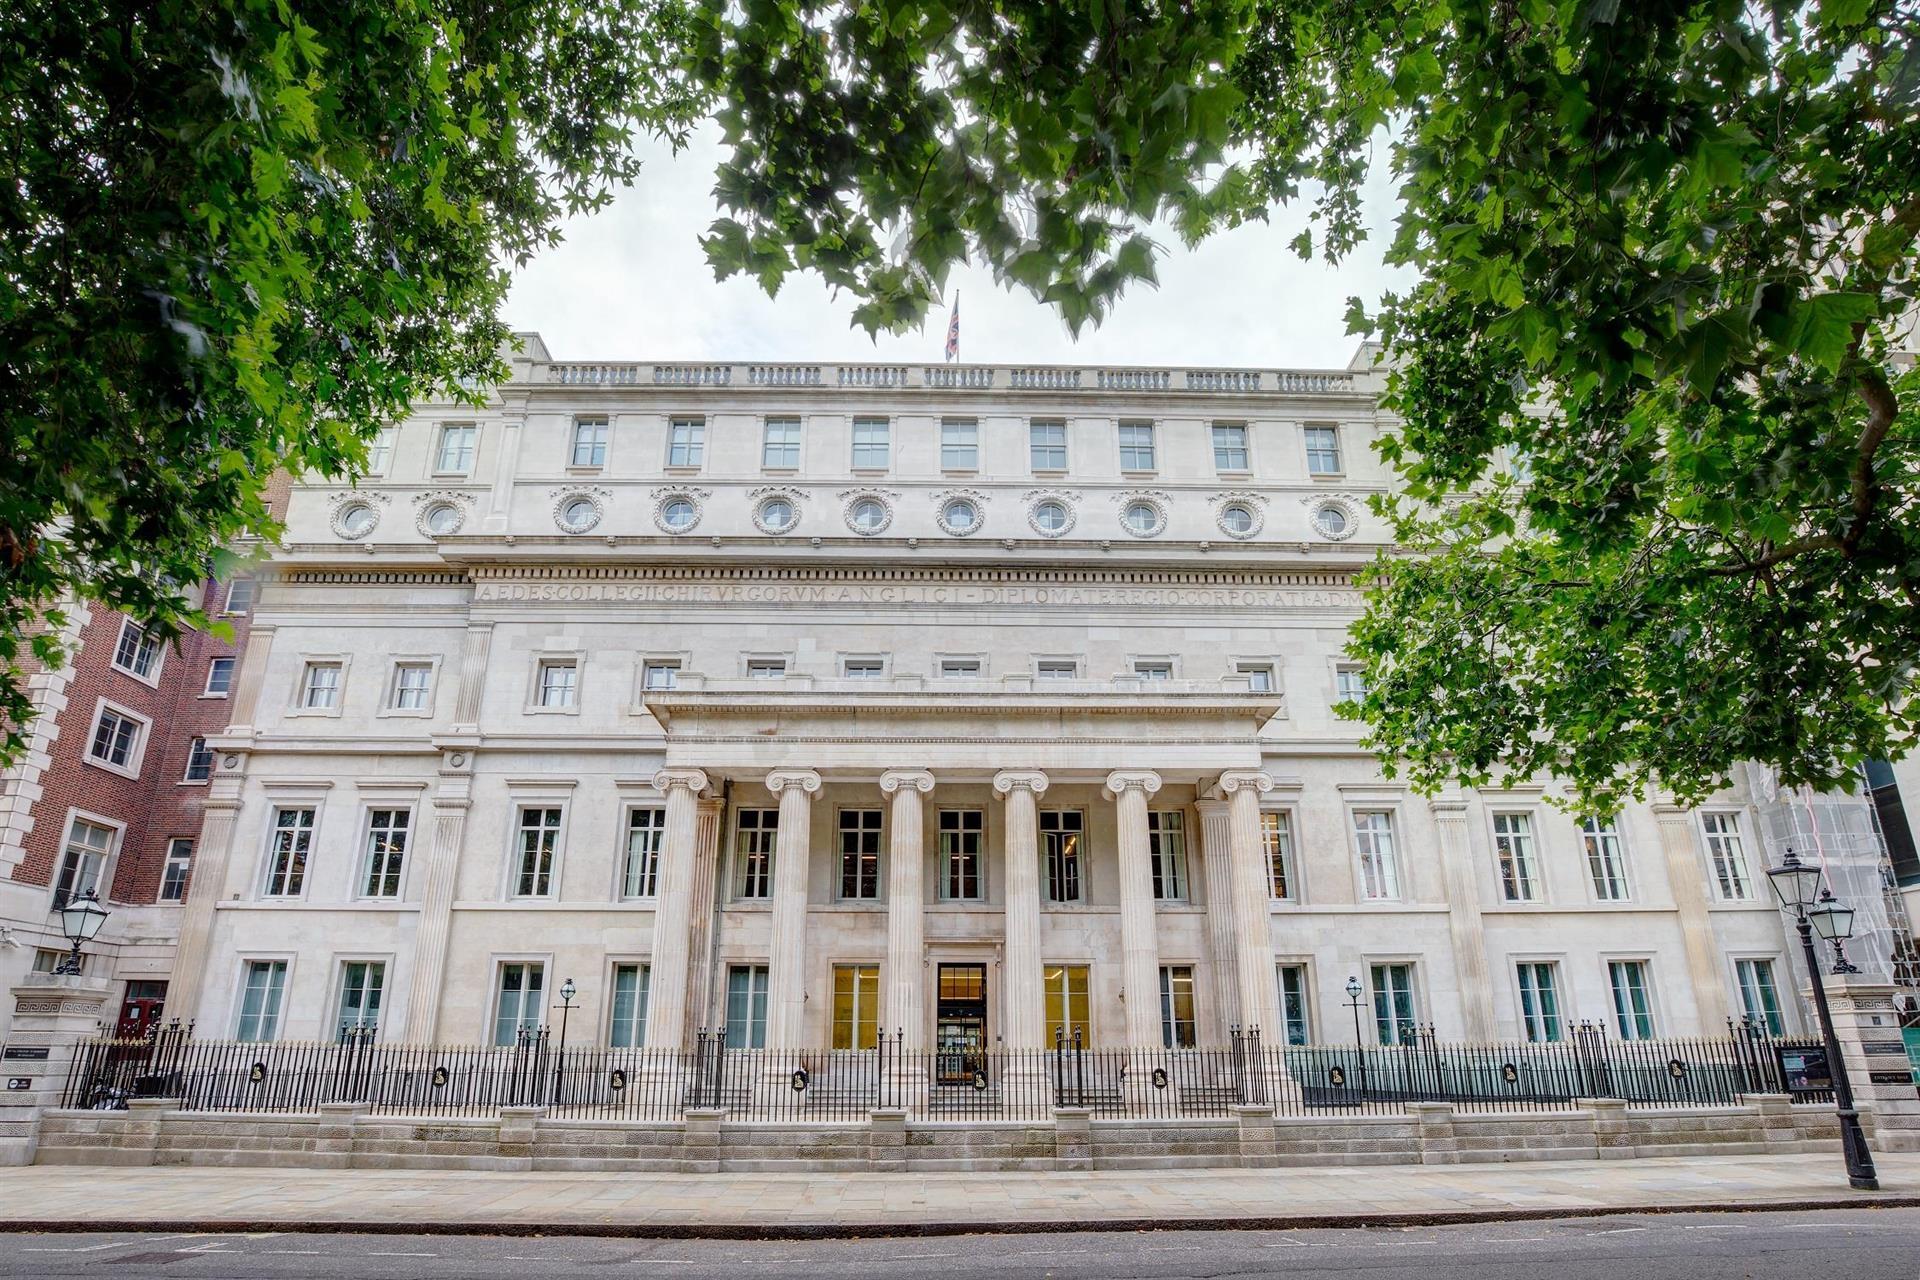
x: 929, y: 593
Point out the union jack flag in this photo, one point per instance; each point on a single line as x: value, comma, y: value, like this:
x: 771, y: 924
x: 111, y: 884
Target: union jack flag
x: 953, y: 330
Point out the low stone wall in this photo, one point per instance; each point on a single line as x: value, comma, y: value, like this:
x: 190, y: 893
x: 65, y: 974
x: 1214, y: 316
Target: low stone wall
x: 344, y: 1136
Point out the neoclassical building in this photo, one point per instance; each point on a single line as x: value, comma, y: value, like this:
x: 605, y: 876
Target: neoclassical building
x: 980, y: 705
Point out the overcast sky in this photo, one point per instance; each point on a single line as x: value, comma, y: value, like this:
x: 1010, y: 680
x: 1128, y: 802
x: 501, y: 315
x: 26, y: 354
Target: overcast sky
x: 631, y: 283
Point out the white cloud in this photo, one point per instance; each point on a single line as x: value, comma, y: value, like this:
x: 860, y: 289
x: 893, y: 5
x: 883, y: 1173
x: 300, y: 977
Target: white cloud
x: 631, y: 283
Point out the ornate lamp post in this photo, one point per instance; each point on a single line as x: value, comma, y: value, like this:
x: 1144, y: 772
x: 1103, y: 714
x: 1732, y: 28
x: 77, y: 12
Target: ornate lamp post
x: 1359, y: 1047
x: 1798, y: 888
x: 80, y: 920
x: 567, y: 992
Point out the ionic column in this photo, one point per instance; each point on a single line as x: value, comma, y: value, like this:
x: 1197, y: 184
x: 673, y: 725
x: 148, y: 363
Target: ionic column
x: 1253, y: 919
x: 1687, y: 881
x: 706, y: 861
x: 1463, y: 914
x: 906, y: 904
x: 1130, y: 789
x: 672, y: 909
x: 1223, y: 949
x: 787, y: 953
x: 1024, y: 1000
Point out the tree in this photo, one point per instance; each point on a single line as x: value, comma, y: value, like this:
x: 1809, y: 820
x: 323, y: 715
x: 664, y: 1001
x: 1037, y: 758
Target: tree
x: 1665, y: 253
x: 242, y: 235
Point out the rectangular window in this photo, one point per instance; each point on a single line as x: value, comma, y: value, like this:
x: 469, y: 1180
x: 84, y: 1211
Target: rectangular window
x: 959, y: 445
x: 746, y: 1025
x: 47, y: 959
x: 755, y: 832
x: 1539, y: 1001
x: 660, y: 674
x: 116, y: 739
x: 1060, y: 834
x: 199, y: 761
x: 320, y: 686
x: 1047, y: 444
x: 1136, y: 446
x: 766, y: 668
x: 1393, y: 1007
x: 686, y: 441
x: 780, y: 446
x: 1295, y: 1004
x: 287, y: 849
x: 538, y: 842
x: 412, y: 685
x: 456, y: 449
x: 1056, y: 669
x: 380, y: 452
x: 219, y: 677
x: 137, y: 653
x: 516, y: 1010
x: 360, y: 986
x: 239, y: 595
x: 1259, y: 676
x: 590, y: 442
x: 1349, y: 684
x: 1167, y: 849
x: 88, y: 846
x: 960, y: 838
x: 870, y: 444
x: 387, y: 831
x: 1759, y: 999
x: 1727, y: 854
x: 1605, y: 861
x: 1513, y: 844
x: 1176, y: 1007
x: 856, y: 1006
x: 630, y: 991
x: 260, y: 993
x: 559, y: 681
x: 860, y: 853
x: 863, y: 668
x: 1230, y: 446
x: 179, y: 867
x: 1632, y: 1012
x: 1067, y: 1020
x: 1153, y: 670
x: 959, y: 668
x: 1373, y: 840
x: 646, y: 828
x: 1276, y: 837
x: 1323, y: 451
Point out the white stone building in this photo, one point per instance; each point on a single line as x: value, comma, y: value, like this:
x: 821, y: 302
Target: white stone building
x: 982, y: 703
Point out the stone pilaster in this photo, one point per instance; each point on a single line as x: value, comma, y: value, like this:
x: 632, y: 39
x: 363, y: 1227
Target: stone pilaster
x: 251, y: 679
x: 212, y: 858
x: 1687, y: 881
x: 706, y: 862
x: 51, y: 1014
x: 787, y: 953
x: 1223, y: 950
x: 906, y: 905
x: 673, y: 905
x: 1253, y: 918
x: 473, y: 677
x: 451, y: 799
x: 1130, y: 789
x: 1462, y: 888
x: 1024, y: 1019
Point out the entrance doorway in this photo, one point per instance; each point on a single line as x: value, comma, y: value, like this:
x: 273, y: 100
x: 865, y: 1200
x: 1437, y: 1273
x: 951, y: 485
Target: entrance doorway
x: 960, y: 1035
x: 140, y: 1010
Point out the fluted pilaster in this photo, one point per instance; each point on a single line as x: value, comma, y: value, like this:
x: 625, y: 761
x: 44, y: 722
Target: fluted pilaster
x: 1024, y: 997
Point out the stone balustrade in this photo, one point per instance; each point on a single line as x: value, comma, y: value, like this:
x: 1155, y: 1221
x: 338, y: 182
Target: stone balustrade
x: 957, y: 377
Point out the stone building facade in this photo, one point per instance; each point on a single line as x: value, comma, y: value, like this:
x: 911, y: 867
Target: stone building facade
x: 980, y: 705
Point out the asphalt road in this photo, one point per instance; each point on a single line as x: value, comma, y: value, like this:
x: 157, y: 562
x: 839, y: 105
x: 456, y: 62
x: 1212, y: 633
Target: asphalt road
x: 1862, y: 1244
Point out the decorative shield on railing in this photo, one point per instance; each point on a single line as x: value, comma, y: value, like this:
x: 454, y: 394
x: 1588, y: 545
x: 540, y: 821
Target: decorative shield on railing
x: 1337, y: 1076
x: 1509, y: 1073
x: 440, y: 1077
x: 258, y: 1073
x: 799, y: 1080
x: 1676, y: 1068
x: 979, y: 1079
x: 617, y: 1081
x: 1159, y: 1077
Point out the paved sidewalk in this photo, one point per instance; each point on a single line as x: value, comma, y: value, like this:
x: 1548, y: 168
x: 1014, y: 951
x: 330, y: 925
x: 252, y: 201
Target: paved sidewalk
x: 793, y: 1204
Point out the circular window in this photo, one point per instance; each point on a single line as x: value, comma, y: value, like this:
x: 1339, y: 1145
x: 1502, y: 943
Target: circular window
x: 777, y: 515
x: 356, y: 520
x: 869, y: 515
x: 1332, y: 522
x: 679, y: 514
x: 1238, y: 520
x: 577, y: 515
x: 1051, y: 518
x: 1142, y: 519
x: 442, y: 519
x: 960, y: 517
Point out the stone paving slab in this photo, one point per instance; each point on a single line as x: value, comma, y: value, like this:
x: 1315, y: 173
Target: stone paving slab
x: 65, y: 1198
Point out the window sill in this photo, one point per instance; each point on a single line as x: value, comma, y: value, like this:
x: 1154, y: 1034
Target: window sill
x: 684, y: 469
x: 1326, y: 475
x: 152, y: 681
x: 534, y: 710
x: 118, y: 769
x: 585, y: 468
x: 311, y: 713
x: 449, y: 475
x: 213, y: 697
x: 403, y: 713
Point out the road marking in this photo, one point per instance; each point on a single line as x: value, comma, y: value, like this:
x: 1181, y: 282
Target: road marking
x: 1620, y: 1231
x: 377, y: 1254
x: 902, y: 1257
x: 84, y: 1248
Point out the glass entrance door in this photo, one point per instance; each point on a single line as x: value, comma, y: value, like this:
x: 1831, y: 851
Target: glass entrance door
x: 960, y: 1034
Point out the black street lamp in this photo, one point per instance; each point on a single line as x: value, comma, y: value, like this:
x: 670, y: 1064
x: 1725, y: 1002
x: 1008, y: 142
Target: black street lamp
x: 1798, y: 888
x: 1359, y: 1047
x: 567, y: 992
x: 80, y: 920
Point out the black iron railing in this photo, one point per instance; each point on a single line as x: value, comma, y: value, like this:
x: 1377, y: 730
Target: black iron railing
x: 846, y: 1086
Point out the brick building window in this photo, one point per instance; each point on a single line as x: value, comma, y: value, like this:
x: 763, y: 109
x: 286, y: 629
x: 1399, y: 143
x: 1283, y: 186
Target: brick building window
x: 116, y: 740
x: 84, y: 857
x: 178, y: 869
x: 239, y: 595
x: 138, y: 652
x: 199, y: 761
x: 219, y: 677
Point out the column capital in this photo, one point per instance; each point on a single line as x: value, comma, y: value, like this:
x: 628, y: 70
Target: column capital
x: 1254, y: 780
x: 694, y: 780
x: 894, y: 779
x: 1009, y: 780
x: 1121, y: 781
x: 781, y: 780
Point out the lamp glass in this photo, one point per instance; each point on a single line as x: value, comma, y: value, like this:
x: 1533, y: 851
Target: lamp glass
x: 82, y: 917
x: 1353, y: 988
x: 567, y: 990
x: 1832, y: 920
x: 1794, y: 883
